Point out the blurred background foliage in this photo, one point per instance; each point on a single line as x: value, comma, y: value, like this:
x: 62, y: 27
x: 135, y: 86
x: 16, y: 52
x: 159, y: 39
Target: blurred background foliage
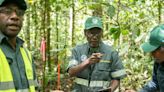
x: 61, y: 22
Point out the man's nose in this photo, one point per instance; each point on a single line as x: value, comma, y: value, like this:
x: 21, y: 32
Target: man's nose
x: 95, y: 37
x: 14, y: 16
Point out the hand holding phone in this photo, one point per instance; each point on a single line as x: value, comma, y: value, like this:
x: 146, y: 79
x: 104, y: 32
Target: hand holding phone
x: 95, y: 58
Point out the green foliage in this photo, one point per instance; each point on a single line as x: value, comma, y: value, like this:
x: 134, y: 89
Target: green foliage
x: 111, y: 11
x: 138, y: 67
x: 125, y: 32
x: 58, y: 8
x: 94, y: 6
x: 115, y: 31
x: 126, y: 25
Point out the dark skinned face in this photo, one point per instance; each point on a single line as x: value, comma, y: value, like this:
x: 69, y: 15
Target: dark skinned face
x: 158, y: 55
x: 11, y: 18
x: 93, y: 36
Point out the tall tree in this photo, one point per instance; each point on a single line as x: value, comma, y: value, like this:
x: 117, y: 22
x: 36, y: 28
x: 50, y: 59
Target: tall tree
x: 73, y: 22
x: 159, y: 11
x: 27, y: 36
x: 57, y: 33
x: 97, y: 11
x: 48, y: 30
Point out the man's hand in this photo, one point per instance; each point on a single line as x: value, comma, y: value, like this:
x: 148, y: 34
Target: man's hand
x: 94, y: 58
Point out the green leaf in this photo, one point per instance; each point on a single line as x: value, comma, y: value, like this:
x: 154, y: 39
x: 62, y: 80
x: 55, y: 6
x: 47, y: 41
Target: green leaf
x: 116, y: 35
x: 94, y: 6
x: 114, y: 30
x: 138, y: 32
x: 58, y: 7
x: 124, y: 32
x: 111, y: 11
x: 141, y: 15
x: 131, y: 1
x: 116, y: 0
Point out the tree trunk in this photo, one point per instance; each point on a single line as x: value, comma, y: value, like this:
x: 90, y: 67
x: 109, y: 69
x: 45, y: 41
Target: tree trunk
x: 43, y: 15
x: 27, y: 36
x: 98, y: 10
x: 36, y: 27
x: 57, y: 38
x: 159, y: 11
x: 47, y: 6
x: 73, y: 23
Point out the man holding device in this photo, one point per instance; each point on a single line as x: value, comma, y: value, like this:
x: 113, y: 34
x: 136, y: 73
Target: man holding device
x: 96, y: 65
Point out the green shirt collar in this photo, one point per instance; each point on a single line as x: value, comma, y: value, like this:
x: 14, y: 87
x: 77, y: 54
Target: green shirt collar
x: 3, y: 37
x: 94, y: 50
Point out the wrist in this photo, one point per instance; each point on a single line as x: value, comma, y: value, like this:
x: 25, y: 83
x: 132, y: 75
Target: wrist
x: 86, y: 62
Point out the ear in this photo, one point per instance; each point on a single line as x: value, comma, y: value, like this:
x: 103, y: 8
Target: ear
x: 162, y: 49
x: 157, y: 52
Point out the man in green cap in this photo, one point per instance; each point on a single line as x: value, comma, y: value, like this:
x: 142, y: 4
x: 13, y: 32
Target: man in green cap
x: 155, y: 46
x: 16, y: 67
x: 95, y: 64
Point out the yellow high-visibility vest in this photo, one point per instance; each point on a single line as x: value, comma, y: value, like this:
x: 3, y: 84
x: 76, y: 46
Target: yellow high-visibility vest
x: 6, y: 78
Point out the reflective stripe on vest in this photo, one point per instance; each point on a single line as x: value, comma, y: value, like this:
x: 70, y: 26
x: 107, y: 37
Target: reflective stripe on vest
x: 10, y: 85
x: 23, y: 90
x: 84, y: 82
x: 118, y: 73
x: 7, y: 85
x: 6, y: 79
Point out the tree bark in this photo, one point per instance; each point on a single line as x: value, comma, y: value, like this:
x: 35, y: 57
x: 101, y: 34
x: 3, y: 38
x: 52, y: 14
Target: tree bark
x: 47, y: 6
x: 27, y: 36
x: 73, y: 23
x: 159, y: 11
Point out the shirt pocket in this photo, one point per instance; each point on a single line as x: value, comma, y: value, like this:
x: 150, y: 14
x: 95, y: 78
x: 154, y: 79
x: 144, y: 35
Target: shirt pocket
x: 103, y: 66
x: 103, y: 71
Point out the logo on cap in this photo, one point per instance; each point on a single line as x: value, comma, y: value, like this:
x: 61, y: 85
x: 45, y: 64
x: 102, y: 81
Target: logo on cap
x: 161, y: 34
x: 94, y: 21
x: 163, y: 41
x: 162, y: 31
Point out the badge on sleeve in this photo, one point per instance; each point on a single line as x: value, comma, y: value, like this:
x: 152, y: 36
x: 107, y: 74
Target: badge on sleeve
x: 83, y: 57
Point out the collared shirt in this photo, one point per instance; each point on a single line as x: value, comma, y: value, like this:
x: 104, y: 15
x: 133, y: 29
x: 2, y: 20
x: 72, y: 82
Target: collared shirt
x: 110, y: 66
x: 157, y: 82
x: 15, y: 61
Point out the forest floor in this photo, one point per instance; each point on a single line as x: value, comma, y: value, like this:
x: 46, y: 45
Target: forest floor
x: 50, y: 80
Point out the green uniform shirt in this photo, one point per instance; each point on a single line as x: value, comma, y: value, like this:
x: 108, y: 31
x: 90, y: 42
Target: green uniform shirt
x: 110, y: 66
x: 15, y: 61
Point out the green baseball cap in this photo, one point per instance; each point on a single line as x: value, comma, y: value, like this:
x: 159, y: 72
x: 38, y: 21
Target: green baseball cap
x: 156, y: 39
x: 92, y: 22
x: 21, y: 3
